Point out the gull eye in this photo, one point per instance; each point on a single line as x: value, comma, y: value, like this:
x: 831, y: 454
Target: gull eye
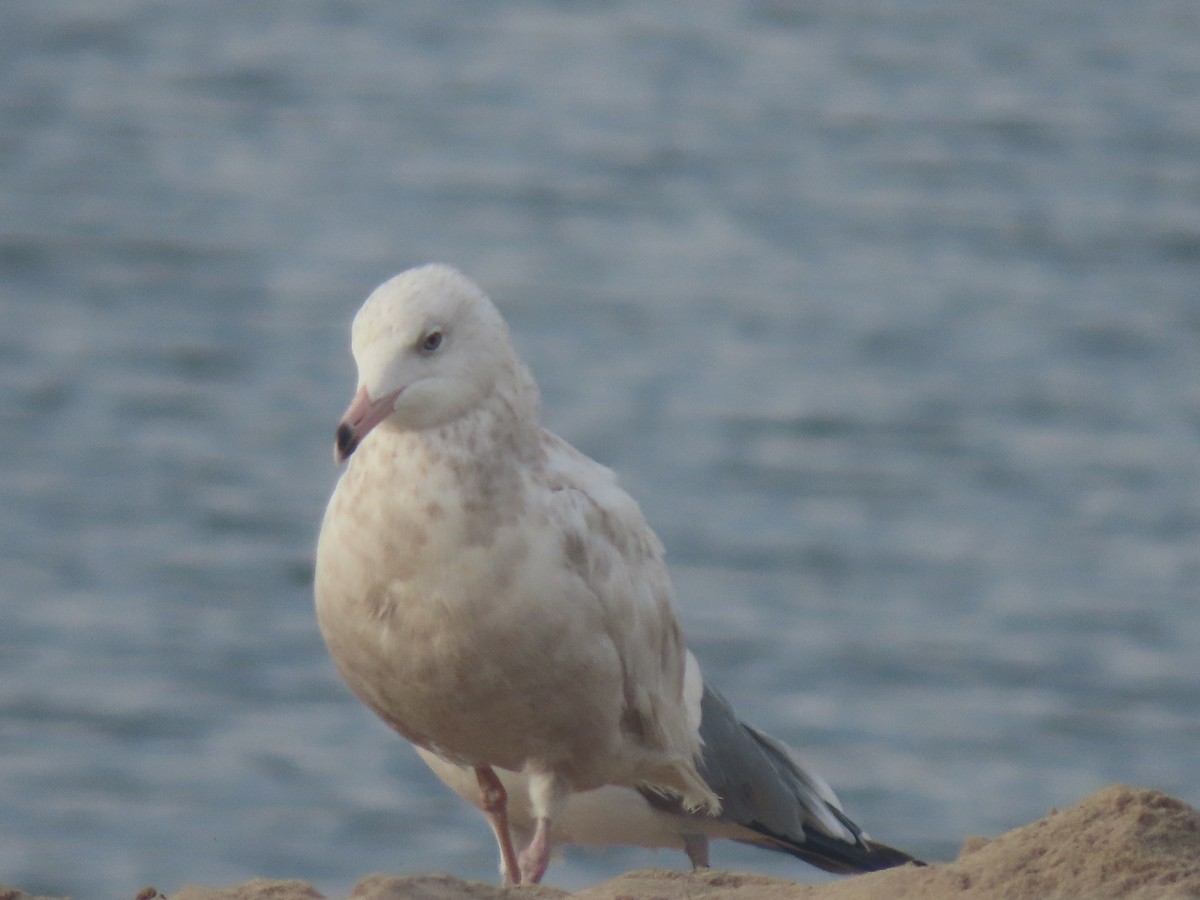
x: 432, y: 341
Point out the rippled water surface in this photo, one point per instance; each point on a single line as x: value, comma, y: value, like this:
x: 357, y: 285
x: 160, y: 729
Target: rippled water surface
x: 888, y: 313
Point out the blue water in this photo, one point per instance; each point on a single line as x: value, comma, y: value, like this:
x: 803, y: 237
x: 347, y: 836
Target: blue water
x: 887, y: 312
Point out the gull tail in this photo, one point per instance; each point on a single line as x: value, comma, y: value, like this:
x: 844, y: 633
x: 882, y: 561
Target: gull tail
x: 783, y: 805
x: 832, y: 854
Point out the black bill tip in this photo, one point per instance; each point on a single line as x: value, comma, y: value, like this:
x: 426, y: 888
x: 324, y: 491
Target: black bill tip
x: 344, y: 443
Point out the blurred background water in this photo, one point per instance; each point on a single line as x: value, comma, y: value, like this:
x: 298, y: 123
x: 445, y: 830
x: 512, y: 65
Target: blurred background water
x: 887, y: 312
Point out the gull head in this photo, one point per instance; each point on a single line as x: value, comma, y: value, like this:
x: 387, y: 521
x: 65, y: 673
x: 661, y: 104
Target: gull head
x: 430, y: 347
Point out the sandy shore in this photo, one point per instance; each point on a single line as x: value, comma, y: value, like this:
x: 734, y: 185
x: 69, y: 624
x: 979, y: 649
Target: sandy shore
x: 1119, y: 843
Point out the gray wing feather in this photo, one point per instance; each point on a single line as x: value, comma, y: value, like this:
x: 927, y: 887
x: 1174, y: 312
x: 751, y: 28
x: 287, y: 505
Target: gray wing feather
x: 765, y: 789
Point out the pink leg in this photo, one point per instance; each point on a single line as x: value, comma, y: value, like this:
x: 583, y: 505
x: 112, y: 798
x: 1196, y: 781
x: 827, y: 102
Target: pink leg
x: 495, y: 801
x: 536, y: 857
x: 696, y: 847
x: 547, y: 794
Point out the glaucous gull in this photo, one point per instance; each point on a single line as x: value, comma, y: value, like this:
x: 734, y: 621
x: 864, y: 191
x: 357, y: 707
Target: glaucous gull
x: 496, y: 598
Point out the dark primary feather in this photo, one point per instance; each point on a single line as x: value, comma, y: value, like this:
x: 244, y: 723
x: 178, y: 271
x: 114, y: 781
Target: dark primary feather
x: 764, y: 789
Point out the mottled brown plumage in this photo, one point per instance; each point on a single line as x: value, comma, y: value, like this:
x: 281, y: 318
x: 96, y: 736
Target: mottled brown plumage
x: 489, y: 591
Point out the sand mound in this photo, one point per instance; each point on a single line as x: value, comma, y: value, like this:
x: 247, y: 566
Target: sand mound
x: 1118, y: 843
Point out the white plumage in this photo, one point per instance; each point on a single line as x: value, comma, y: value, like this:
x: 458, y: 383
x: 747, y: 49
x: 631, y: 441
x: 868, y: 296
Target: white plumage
x: 495, y: 596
